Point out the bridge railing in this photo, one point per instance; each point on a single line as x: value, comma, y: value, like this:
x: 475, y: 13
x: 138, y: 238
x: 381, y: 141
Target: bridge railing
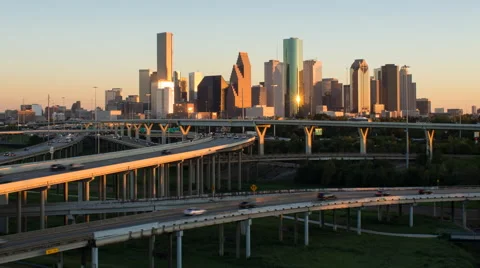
x: 94, y: 158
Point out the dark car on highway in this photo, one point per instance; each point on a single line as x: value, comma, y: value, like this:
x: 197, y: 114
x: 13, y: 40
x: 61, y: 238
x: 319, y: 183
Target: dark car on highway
x: 166, y: 152
x: 382, y: 193
x: 57, y: 167
x: 326, y: 196
x: 423, y: 191
x: 247, y: 204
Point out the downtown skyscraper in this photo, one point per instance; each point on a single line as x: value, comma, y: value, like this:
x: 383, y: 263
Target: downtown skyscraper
x: 293, y: 76
x: 360, y: 87
x: 165, y: 56
x: 239, y: 94
x: 312, y: 74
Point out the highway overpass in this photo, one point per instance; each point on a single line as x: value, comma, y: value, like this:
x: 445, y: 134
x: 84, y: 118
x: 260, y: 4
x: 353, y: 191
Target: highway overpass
x: 172, y: 222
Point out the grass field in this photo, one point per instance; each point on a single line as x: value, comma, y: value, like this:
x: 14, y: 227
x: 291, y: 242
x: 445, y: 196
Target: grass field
x: 327, y: 249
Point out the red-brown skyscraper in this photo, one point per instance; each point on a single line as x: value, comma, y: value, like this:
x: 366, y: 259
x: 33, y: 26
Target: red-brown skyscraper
x: 239, y: 94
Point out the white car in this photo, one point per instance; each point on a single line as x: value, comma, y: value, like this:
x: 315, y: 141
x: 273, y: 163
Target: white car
x: 193, y: 211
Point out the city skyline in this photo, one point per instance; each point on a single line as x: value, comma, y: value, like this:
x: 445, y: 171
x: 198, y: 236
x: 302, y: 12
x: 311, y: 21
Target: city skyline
x: 95, y: 54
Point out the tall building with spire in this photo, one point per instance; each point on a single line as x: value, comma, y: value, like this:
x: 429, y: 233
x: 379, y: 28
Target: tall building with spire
x: 293, y: 76
x: 360, y: 87
x: 239, y: 93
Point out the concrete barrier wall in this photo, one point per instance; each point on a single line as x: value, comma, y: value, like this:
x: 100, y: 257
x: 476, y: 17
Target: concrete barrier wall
x: 94, y: 158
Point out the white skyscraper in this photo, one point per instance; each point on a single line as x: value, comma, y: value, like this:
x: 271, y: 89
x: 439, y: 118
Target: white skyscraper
x: 270, y: 85
x: 37, y: 108
x: 162, y: 99
x: 408, y: 91
x: 194, y: 79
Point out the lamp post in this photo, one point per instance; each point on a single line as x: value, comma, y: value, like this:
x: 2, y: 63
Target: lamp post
x: 97, y: 138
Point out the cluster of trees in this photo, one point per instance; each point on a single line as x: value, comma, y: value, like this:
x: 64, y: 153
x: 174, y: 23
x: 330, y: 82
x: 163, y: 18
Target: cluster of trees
x: 441, y: 171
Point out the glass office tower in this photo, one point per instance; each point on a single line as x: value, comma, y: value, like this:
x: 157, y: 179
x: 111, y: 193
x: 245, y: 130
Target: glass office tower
x: 293, y: 75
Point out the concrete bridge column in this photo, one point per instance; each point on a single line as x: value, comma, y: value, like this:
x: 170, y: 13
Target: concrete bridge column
x: 122, y: 130
x: 229, y: 172
x: 261, y: 131
x: 240, y: 170
x: 410, y: 219
x: 221, y: 239
x: 280, y: 228
x: 184, y: 130
x: 200, y: 186
x: 59, y: 260
x: 359, y: 221
x: 167, y: 180
x: 94, y: 260
x: 151, y: 249
x: 379, y: 213
x: 24, y: 202
x: 219, y: 174
x: 164, y: 129
x: 334, y: 219
x: 464, y: 214
x: 161, y: 180
x: 213, y: 174
x: 124, y: 186
x: 129, y: 130
x: 65, y: 199
x: 133, y: 184
x: 363, y: 133
x: 148, y: 133
x: 153, y: 180
x: 197, y: 176
x: 179, y: 190
x: 308, y: 139
x: 137, y: 130
x: 116, y: 126
x: 86, y: 194
x: 191, y: 173
x: 179, y: 249
x: 208, y: 172
x: 43, y: 197
x: 429, y: 134
x: 19, y: 212
x: 248, y: 223
x: 305, y: 226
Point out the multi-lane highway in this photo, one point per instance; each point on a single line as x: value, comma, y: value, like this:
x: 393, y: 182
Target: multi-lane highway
x: 126, y: 163
x: 35, y: 243
x: 42, y: 148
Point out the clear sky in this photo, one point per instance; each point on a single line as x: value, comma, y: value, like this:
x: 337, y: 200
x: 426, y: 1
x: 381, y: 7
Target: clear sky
x: 64, y: 48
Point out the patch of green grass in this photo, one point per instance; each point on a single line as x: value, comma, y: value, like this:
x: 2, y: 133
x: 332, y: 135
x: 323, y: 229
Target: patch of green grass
x: 326, y: 249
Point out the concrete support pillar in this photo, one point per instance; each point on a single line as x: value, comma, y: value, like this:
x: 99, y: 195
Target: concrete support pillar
x: 94, y: 260
x: 237, y: 240
x: 410, y: 220
x: 280, y: 228
x: 148, y: 132
x: 19, y: 212
x: 213, y: 186
x: 164, y: 129
x: 86, y: 196
x: 295, y: 229
x: 137, y: 130
x: 219, y: 174
x: 24, y: 202
x: 363, y: 133
x: 167, y: 180
x: 133, y: 184
x: 153, y: 180
x: 305, y: 226
x: 122, y: 130
x: 452, y: 208
x: 379, y: 213
x: 229, y: 172
x: 79, y: 191
x: 182, y: 180
x: 124, y: 186
x: 334, y: 219
x: 179, y: 249
x: 179, y: 190
x: 221, y: 240
x: 464, y: 214
x: 359, y: 221
x: 201, y: 176
x: 240, y: 170
x: 59, y: 260
x: 42, y: 208
x: 184, y: 130
x: 348, y: 219
x: 429, y: 134
x: 434, y: 209
x: 208, y: 168
x: 261, y: 131
x: 197, y: 176
x: 151, y: 251
x: 247, y: 238
x: 191, y: 174
x: 161, y: 180
x: 308, y: 139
